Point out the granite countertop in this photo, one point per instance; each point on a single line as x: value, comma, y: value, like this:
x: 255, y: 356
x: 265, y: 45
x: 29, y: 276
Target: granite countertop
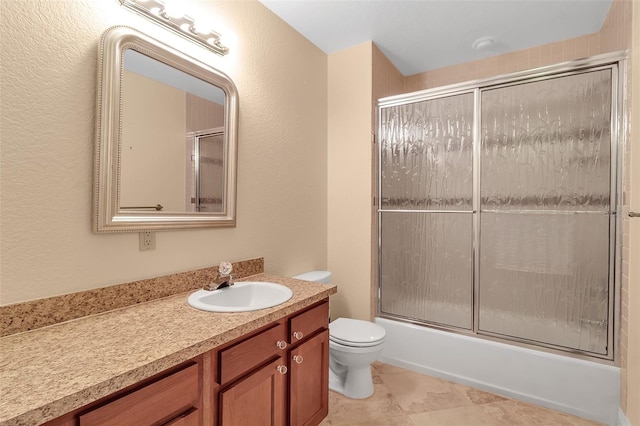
x: 47, y: 372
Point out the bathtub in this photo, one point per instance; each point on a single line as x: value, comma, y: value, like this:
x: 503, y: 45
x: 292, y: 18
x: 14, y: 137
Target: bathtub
x: 575, y: 386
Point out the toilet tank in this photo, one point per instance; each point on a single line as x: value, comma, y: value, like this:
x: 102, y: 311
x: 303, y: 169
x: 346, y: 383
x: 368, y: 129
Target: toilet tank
x: 323, y: 277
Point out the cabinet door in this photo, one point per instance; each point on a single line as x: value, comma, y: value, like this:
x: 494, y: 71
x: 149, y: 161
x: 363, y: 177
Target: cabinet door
x: 309, y: 375
x: 256, y: 400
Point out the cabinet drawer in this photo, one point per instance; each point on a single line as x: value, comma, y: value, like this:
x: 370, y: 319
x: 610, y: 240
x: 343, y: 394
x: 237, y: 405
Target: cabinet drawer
x: 307, y: 323
x: 249, y: 354
x: 156, y: 403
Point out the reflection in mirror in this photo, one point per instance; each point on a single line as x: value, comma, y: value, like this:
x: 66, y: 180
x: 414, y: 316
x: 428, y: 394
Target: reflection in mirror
x: 177, y: 116
x: 166, y: 145
x: 207, y: 166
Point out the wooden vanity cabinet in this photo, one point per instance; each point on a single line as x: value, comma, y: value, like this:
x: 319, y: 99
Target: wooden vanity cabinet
x: 273, y: 380
x: 276, y: 376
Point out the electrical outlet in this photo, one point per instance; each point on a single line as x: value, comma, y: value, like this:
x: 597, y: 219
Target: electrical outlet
x: 147, y: 240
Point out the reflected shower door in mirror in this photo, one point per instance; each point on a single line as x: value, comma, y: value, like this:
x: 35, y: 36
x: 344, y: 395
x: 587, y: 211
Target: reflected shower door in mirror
x: 166, y: 145
x: 205, y: 168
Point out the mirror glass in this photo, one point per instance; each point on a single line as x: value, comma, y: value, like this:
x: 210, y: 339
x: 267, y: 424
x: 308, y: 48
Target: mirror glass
x: 166, y: 146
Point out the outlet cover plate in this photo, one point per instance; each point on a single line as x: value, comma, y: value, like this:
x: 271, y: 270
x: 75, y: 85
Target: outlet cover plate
x: 147, y: 240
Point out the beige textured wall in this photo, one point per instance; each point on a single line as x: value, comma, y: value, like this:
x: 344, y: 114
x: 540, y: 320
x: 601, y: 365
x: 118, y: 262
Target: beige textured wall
x: 387, y: 80
x: 349, y: 182
x: 358, y: 76
x: 47, y: 80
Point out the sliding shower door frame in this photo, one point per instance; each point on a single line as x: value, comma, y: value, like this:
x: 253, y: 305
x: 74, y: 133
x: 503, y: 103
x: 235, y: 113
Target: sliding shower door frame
x: 614, y: 61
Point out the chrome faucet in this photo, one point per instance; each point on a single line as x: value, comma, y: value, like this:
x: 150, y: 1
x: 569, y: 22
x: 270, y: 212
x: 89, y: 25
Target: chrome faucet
x: 224, y: 278
x: 221, y: 281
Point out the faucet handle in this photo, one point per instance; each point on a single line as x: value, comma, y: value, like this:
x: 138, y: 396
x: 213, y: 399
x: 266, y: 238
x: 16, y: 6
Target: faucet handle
x: 225, y: 268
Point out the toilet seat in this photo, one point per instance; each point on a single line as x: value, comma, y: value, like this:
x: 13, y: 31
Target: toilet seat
x: 356, y: 333
x: 355, y: 345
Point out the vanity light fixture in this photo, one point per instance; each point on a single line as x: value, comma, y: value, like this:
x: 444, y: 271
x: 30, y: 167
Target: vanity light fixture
x: 182, y: 25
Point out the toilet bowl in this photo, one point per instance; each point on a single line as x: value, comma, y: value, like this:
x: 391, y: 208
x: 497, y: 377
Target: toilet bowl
x: 353, y: 346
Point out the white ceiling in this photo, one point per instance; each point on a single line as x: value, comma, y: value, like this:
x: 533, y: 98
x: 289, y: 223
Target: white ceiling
x: 421, y: 35
x: 139, y: 63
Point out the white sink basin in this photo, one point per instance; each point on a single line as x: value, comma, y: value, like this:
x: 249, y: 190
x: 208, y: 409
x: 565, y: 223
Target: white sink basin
x: 241, y: 297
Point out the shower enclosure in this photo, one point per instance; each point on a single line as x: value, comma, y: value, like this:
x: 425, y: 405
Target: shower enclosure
x: 205, y: 170
x: 497, y: 205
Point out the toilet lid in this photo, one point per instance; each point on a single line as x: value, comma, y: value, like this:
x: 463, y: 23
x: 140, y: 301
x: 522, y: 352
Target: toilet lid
x: 315, y: 276
x: 352, y: 332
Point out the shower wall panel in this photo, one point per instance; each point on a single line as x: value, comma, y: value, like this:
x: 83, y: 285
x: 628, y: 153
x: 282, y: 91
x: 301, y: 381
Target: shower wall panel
x: 545, y: 201
x: 545, y: 278
x: 427, y: 267
x: 426, y: 164
x: 546, y: 145
x: 426, y: 155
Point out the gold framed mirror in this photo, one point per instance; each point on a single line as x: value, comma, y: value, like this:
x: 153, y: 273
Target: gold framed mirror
x: 166, y: 138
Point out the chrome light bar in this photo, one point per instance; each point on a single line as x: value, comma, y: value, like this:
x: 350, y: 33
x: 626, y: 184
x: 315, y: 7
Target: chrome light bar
x: 184, y: 25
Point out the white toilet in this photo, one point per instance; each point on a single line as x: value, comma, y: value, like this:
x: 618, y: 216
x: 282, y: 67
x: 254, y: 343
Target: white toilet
x: 353, y: 346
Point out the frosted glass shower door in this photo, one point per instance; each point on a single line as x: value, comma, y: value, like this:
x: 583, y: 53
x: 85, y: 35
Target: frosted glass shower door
x: 426, y: 214
x: 545, y: 218
x: 210, y: 173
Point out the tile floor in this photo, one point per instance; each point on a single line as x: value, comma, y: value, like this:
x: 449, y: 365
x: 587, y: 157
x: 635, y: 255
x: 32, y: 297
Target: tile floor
x: 406, y: 398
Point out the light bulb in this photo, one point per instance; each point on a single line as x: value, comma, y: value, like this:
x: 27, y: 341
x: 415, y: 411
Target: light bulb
x: 202, y: 27
x: 173, y: 9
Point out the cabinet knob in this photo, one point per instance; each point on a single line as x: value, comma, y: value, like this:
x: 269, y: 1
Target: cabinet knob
x: 298, y: 335
x: 298, y: 359
x: 281, y: 344
x: 282, y: 369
